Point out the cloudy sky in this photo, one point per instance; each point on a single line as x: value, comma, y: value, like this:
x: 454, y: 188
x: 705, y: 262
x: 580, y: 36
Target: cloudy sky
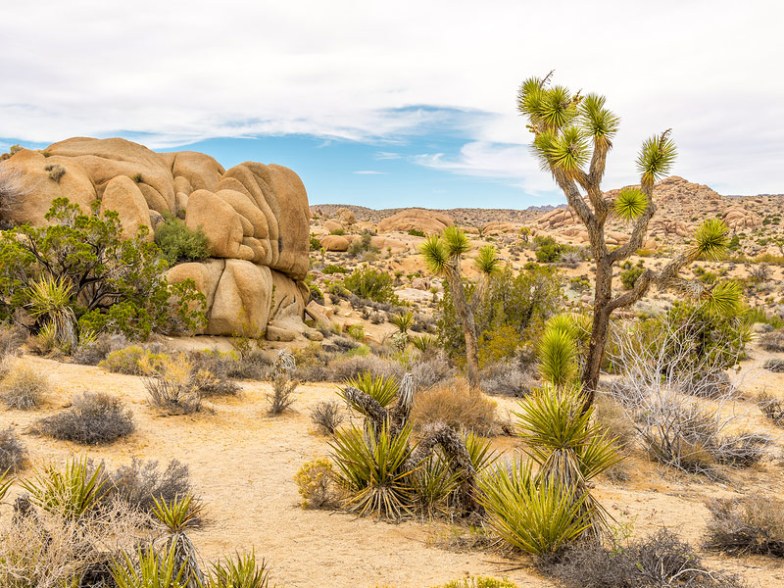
x: 391, y: 104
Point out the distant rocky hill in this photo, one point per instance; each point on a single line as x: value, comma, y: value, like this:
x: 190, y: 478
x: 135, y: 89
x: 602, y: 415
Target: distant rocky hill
x: 469, y: 217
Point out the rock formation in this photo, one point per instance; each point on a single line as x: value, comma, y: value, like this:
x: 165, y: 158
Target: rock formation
x: 255, y: 216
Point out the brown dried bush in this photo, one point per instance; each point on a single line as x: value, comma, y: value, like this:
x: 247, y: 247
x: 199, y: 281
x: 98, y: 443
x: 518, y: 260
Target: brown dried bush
x: 327, y: 416
x: 23, y: 388
x: 12, y: 452
x: 458, y: 406
x: 93, y: 419
x: 744, y: 526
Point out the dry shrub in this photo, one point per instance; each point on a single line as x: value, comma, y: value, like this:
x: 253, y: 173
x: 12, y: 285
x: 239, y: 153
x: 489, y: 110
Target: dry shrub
x: 654, y: 562
x: 457, y: 406
x: 209, y: 384
x: 254, y: 365
x: 773, y: 408
x: 775, y: 365
x: 95, y: 351
x: 11, y: 339
x: 283, y: 383
x: 773, y: 341
x: 347, y: 368
x: 508, y: 379
x: 431, y: 371
x: 93, y: 419
x: 134, y: 360
x: 24, y: 388
x: 173, y: 389
x: 45, y: 550
x: 12, y: 452
x: 744, y: 526
x: 327, y: 416
x: 142, y: 482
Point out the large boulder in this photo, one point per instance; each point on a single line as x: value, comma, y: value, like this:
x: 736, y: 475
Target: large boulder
x: 256, y: 218
x: 430, y: 222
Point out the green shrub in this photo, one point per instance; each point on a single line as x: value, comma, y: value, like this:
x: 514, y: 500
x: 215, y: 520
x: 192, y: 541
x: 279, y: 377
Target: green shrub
x: 362, y: 245
x: 179, y: 243
x: 416, y: 233
x: 334, y: 269
x: 479, y: 582
x: 356, y: 332
x: 630, y: 274
x: 315, y: 481
x: 134, y: 360
x: 367, y: 282
x: 548, y: 250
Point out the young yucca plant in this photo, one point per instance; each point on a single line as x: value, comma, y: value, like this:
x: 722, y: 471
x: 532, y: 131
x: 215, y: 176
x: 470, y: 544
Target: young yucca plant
x: 73, y: 492
x: 49, y: 301
x: 179, y: 515
x: 240, y: 572
x: 480, y: 451
x: 403, y: 321
x: 433, y: 484
x: 373, y: 470
x: 535, y: 516
x: 148, y: 568
x: 557, y: 357
x: 383, y: 389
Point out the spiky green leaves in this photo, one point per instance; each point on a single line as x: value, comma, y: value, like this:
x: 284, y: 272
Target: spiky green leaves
x: 72, y: 492
x: 557, y: 357
x: 724, y: 298
x: 382, y: 389
x: 150, y: 568
x: 598, y: 121
x: 241, y: 571
x: 712, y: 237
x: 6, y: 480
x: 656, y: 158
x: 178, y: 514
x: 440, y: 251
x: 487, y: 261
x: 49, y: 296
x: 570, y: 150
x: 538, y: 518
x: 547, y: 108
x: 630, y: 204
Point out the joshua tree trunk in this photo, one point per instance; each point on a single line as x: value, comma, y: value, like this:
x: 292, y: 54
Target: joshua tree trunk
x: 466, y: 315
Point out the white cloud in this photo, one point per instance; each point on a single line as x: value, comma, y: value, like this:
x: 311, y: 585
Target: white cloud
x: 180, y: 71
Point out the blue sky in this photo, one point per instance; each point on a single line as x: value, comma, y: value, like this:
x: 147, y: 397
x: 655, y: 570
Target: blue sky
x: 405, y: 103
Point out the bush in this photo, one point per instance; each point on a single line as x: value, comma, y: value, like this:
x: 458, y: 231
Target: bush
x: 773, y: 408
x: 283, y: 383
x: 142, y: 482
x: 457, y: 406
x: 315, y: 483
x: 745, y: 526
x: 773, y: 341
x: 429, y: 372
x: 345, y: 368
x: 327, y: 416
x: 178, y: 243
x: 134, y: 360
x: 12, y: 453
x: 356, y: 332
x: 630, y: 274
x: 507, y: 378
x: 241, y: 571
x: 95, y: 350
x: 372, y: 284
x: 775, y: 365
x: 173, y: 394
x: 659, y: 560
x: 479, y: 582
x: 548, y: 250
x: 93, y: 419
x: 24, y: 388
x: 362, y: 245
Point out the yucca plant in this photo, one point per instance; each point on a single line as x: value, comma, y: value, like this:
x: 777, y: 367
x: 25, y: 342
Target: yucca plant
x: 383, y: 389
x: 373, y: 470
x: 433, y: 485
x: 73, y: 492
x: 424, y: 343
x: 148, y: 568
x: 480, y: 451
x: 6, y: 481
x: 403, y: 321
x: 573, y: 134
x: 242, y: 571
x: 178, y: 515
x: 49, y: 301
x: 533, y: 515
x: 557, y: 357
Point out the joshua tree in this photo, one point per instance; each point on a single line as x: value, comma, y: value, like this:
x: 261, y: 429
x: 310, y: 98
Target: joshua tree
x: 442, y: 255
x: 572, y: 136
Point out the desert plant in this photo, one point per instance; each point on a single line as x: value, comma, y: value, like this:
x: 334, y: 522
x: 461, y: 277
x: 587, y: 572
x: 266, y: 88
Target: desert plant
x: 370, y: 283
x: 49, y: 301
x: 6, y: 481
x: 283, y: 383
x: 383, y: 389
x: 12, y: 452
x: 373, y: 469
x: 572, y: 136
x: 538, y: 518
x: 509, y: 378
x: 315, y: 483
x: 178, y: 243
x: 149, y: 568
x: 772, y: 407
x: 23, y: 388
x: 241, y: 571
x: 748, y: 525
x: 178, y: 516
x: 134, y: 360
x: 73, y: 492
x: 442, y: 255
x: 142, y: 482
x: 327, y: 416
x: 774, y: 365
x: 56, y: 171
x: 662, y: 559
x: 433, y: 484
x: 93, y: 419
x: 458, y: 406
x: 173, y: 389
x: 430, y: 371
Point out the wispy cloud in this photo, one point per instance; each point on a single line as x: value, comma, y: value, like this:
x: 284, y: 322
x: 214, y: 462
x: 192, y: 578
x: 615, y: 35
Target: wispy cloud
x: 387, y: 156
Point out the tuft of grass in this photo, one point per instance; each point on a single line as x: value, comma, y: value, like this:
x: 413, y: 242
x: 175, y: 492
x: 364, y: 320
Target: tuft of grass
x: 24, y: 388
x: 93, y: 419
x: 456, y: 405
x: 241, y: 571
x: 73, y: 492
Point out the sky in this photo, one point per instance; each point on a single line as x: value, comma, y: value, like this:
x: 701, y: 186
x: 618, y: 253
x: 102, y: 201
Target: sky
x: 405, y: 103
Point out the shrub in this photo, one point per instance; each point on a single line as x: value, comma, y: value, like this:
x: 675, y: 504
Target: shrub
x: 416, y: 233
x: 356, y: 332
x: 172, y: 394
x: 73, y: 492
x: 659, y: 560
x: 372, y: 284
x: 315, y: 483
x: 327, y: 416
x: 134, y: 360
x: 179, y: 243
x: 430, y: 372
x: 141, y: 483
x: 630, y: 274
x: 775, y: 365
x: 773, y: 408
x: 457, y: 406
x: 362, y: 245
x: 548, y: 250
x: 479, y: 582
x: 12, y: 452
x: 347, y: 367
x: 24, y: 388
x: 507, y: 378
x: 92, y: 351
x: 773, y: 341
x: 748, y: 525
x: 283, y: 383
x: 93, y: 419
x: 210, y: 384
x: 334, y: 269
x: 56, y: 171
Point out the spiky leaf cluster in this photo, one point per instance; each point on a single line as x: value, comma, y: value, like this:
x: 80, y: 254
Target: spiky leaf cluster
x: 630, y: 204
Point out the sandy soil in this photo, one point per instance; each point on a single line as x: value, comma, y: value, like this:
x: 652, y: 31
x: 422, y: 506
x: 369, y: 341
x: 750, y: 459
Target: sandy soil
x: 243, y: 461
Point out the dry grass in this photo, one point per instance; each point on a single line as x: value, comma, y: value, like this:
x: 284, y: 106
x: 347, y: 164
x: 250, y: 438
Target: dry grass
x: 12, y: 452
x: 456, y: 405
x: 749, y: 525
x: 23, y: 388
